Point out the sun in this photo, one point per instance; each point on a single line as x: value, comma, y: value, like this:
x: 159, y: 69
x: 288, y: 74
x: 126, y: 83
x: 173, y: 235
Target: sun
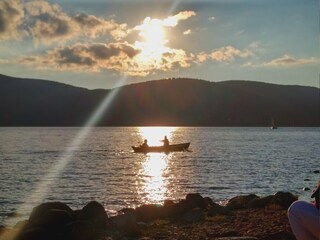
x: 152, y: 31
x: 153, y: 41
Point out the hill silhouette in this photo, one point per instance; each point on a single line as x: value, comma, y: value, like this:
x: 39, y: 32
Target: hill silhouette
x: 169, y: 102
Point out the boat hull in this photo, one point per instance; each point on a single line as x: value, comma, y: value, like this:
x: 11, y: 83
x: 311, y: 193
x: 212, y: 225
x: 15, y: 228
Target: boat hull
x: 171, y: 148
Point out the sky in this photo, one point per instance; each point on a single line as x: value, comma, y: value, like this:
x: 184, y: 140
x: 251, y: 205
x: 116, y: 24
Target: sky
x: 95, y: 44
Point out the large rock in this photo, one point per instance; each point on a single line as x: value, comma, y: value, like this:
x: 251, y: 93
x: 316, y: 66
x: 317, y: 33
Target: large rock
x: 149, y: 212
x: 45, y: 223
x: 208, y: 202
x: 196, y: 200
x: 126, y: 210
x: 53, y: 221
x: 284, y: 199
x: 168, y: 202
x: 50, y: 216
x: 241, y: 202
x: 41, y: 211
x: 260, y: 202
x: 281, y: 200
x: 216, y: 209
x: 48, y: 219
x: 53, y: 218
x: 176, y: 210
x: 95, y: 213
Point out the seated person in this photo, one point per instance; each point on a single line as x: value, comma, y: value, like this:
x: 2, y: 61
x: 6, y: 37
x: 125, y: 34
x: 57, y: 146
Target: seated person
x: 145, y: 143
x: 165, y: 141
x: 304, y: 218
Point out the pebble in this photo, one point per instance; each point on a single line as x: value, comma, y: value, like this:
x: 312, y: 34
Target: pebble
x: 305, y: 189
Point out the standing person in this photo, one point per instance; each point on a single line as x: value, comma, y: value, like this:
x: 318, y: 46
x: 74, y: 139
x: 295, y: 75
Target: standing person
x: 165, y: 141
x: 304, y: 218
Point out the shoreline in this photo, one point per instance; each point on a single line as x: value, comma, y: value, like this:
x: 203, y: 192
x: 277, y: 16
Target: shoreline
x: 195, y: 217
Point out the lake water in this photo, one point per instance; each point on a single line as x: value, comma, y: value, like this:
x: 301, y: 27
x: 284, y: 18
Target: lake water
x: 76, y: 165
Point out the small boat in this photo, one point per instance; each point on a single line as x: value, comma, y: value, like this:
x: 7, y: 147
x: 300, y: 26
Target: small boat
x: 170, y: 148
x: 273, y: 125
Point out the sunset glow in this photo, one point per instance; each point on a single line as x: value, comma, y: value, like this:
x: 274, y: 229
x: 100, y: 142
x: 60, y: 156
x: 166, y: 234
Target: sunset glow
x: 92, y: 45
x: 134, y: 119
x: 152, y: 31
x: 153, y: 45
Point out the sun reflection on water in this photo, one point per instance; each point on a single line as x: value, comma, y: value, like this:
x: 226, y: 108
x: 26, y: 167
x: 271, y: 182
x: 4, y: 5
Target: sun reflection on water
x: 153, y: 185
x: 153, y: 175
x: 154, y: 135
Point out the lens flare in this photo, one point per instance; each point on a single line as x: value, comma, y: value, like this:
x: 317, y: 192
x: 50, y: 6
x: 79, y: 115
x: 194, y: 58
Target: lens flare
x: 47, y: 182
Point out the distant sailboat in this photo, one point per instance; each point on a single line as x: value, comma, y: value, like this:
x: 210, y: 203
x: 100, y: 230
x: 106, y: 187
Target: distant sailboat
x: 273, y: 125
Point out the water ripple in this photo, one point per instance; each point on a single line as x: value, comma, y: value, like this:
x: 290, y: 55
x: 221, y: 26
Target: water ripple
x: 224, y: 162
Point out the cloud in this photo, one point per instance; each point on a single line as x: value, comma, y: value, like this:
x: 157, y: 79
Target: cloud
x: 202, y: 57
x: 254, y: 45
x: 212, y: 18
x: 120, y: 57
x: 47, y: 23
x: 170, y: 21
x: 173, y: 21
x: 170, y: 60
x: 187, y: 32
x: 183, y: 15
x: 11, y: 18
x: 85, y: 57
x: 248, y: 64
x: 93, y: 26
x: 5, y: 61
x: 224, y: 54
x: 177, y: 57
x: 287, y: 61
x: 155, y: 54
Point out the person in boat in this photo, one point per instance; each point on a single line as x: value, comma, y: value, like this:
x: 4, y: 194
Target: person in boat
x: 165, y: 141
x: 304, y: 218
x: 145, y: 144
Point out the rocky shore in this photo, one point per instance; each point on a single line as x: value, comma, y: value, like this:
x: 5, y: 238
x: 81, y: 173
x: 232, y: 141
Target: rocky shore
x: 243, y: 218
